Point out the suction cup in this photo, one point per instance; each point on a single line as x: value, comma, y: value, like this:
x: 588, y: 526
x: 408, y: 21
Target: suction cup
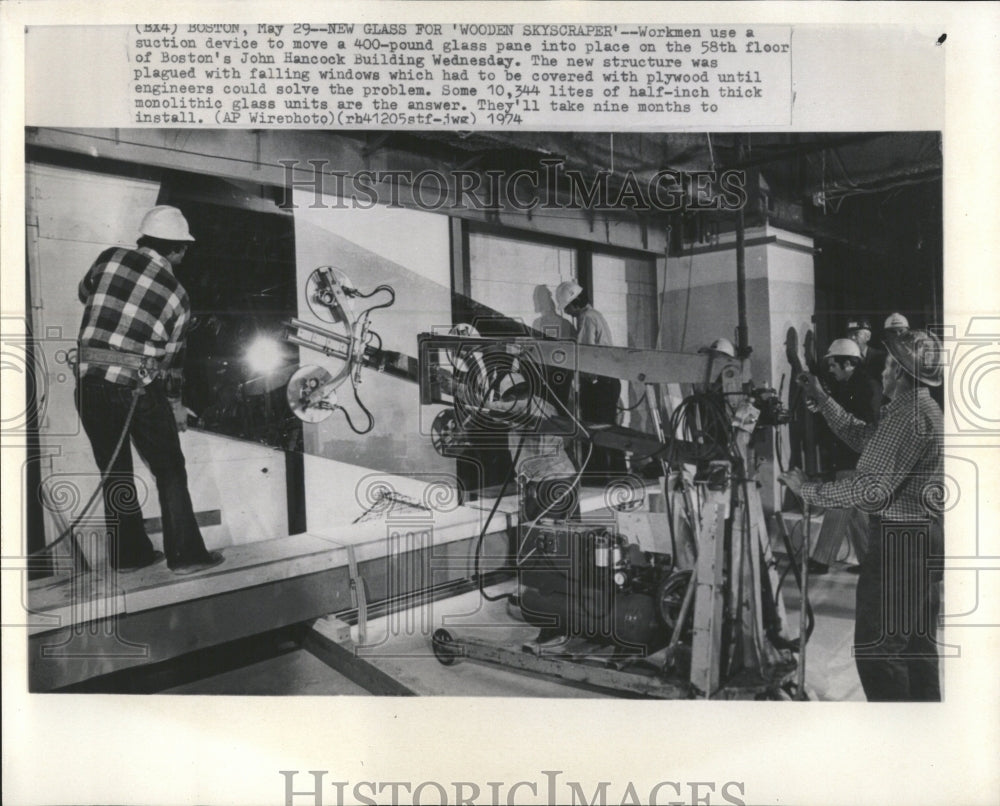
x: 305, y: 398
x: 322, y: 300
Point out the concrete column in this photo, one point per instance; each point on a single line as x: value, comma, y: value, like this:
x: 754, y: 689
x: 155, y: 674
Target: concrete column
x: 699, y: 306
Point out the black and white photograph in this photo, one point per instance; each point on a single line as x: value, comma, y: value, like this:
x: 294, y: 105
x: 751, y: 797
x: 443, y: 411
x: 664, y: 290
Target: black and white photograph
x: 510, y: 435
x: 440, y: 412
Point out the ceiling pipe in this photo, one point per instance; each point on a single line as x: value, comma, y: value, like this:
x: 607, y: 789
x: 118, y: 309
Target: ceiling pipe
x: 800, y: 150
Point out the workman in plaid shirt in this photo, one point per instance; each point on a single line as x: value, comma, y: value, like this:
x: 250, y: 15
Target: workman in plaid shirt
x: 899, y: 481
x: 131, y: 344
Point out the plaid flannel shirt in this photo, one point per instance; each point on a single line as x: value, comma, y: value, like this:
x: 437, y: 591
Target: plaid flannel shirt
x: 900, y: 473
x: 134, y: 303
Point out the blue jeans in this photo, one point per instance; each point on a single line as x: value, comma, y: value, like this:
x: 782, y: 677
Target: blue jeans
x: 103, y: 409
x: 898, y: 603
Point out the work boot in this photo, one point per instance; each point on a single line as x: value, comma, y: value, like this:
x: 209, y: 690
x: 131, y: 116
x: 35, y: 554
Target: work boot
x: 212, y: 559
x: 154, y: 558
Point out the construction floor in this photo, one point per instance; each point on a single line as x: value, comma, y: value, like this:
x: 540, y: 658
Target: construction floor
x: 400, y: 646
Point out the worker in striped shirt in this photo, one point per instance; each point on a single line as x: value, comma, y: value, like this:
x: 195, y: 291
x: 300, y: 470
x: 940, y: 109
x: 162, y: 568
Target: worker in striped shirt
x: 129, y: 377
x: 899, y: 481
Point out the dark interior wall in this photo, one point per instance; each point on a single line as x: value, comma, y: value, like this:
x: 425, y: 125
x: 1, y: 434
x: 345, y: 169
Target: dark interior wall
x: 878, y: 254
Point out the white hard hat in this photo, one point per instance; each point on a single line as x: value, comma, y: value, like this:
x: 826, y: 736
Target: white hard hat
x: 567, y: 291
x: 724, y: 346
x: 896, y: 321
x: 843, y: 348
x: 166, y: 223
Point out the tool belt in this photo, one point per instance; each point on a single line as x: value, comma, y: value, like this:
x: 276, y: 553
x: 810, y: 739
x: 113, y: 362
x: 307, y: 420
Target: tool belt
x: 145, y: 366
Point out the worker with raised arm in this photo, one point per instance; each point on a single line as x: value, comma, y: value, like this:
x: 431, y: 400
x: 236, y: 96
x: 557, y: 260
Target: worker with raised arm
x: 898, y: 481
x: 860, y: 396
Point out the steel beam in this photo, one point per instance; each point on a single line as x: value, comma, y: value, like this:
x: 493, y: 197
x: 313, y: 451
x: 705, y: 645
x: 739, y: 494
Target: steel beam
x: 640, y: 366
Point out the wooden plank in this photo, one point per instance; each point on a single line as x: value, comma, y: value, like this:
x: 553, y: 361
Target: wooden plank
x: 706, y: 641
x: 106, y: 594
x: 575, y: 671
x: 103, y: 593
x: 333, y: 628
x: 208, y: 517
x: 101, y: 634
x: 79, y: 652
x: 340, y: 655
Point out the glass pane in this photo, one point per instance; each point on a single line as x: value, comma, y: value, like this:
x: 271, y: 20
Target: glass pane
x: 625, y: 292
x: 511, y: 277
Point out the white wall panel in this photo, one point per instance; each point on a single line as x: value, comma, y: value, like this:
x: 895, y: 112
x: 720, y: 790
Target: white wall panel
x: 780, y: 295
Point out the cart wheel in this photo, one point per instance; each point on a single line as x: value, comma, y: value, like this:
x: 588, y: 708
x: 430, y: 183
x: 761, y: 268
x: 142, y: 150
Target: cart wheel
x: 670, y: 598
x: 445, y: 433
x: 790, y: 690
x: 444, y: 648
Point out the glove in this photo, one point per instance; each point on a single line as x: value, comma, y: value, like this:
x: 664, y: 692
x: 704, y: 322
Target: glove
x: 180, y: 414
x: 813, y: 390
x: 793, y: 479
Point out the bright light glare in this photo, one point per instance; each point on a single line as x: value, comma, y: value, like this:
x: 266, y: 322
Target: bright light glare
x: 263, y: 356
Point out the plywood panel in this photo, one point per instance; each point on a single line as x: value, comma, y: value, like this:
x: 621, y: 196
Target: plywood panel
x: 344, y: 500
x: 77, y: 215
x: 246, y: 482
x: 792, y: 303
x: 100, y: 209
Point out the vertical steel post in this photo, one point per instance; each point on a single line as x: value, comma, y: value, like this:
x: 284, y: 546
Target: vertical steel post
x: 804, y: 608
x: 742, y: 335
